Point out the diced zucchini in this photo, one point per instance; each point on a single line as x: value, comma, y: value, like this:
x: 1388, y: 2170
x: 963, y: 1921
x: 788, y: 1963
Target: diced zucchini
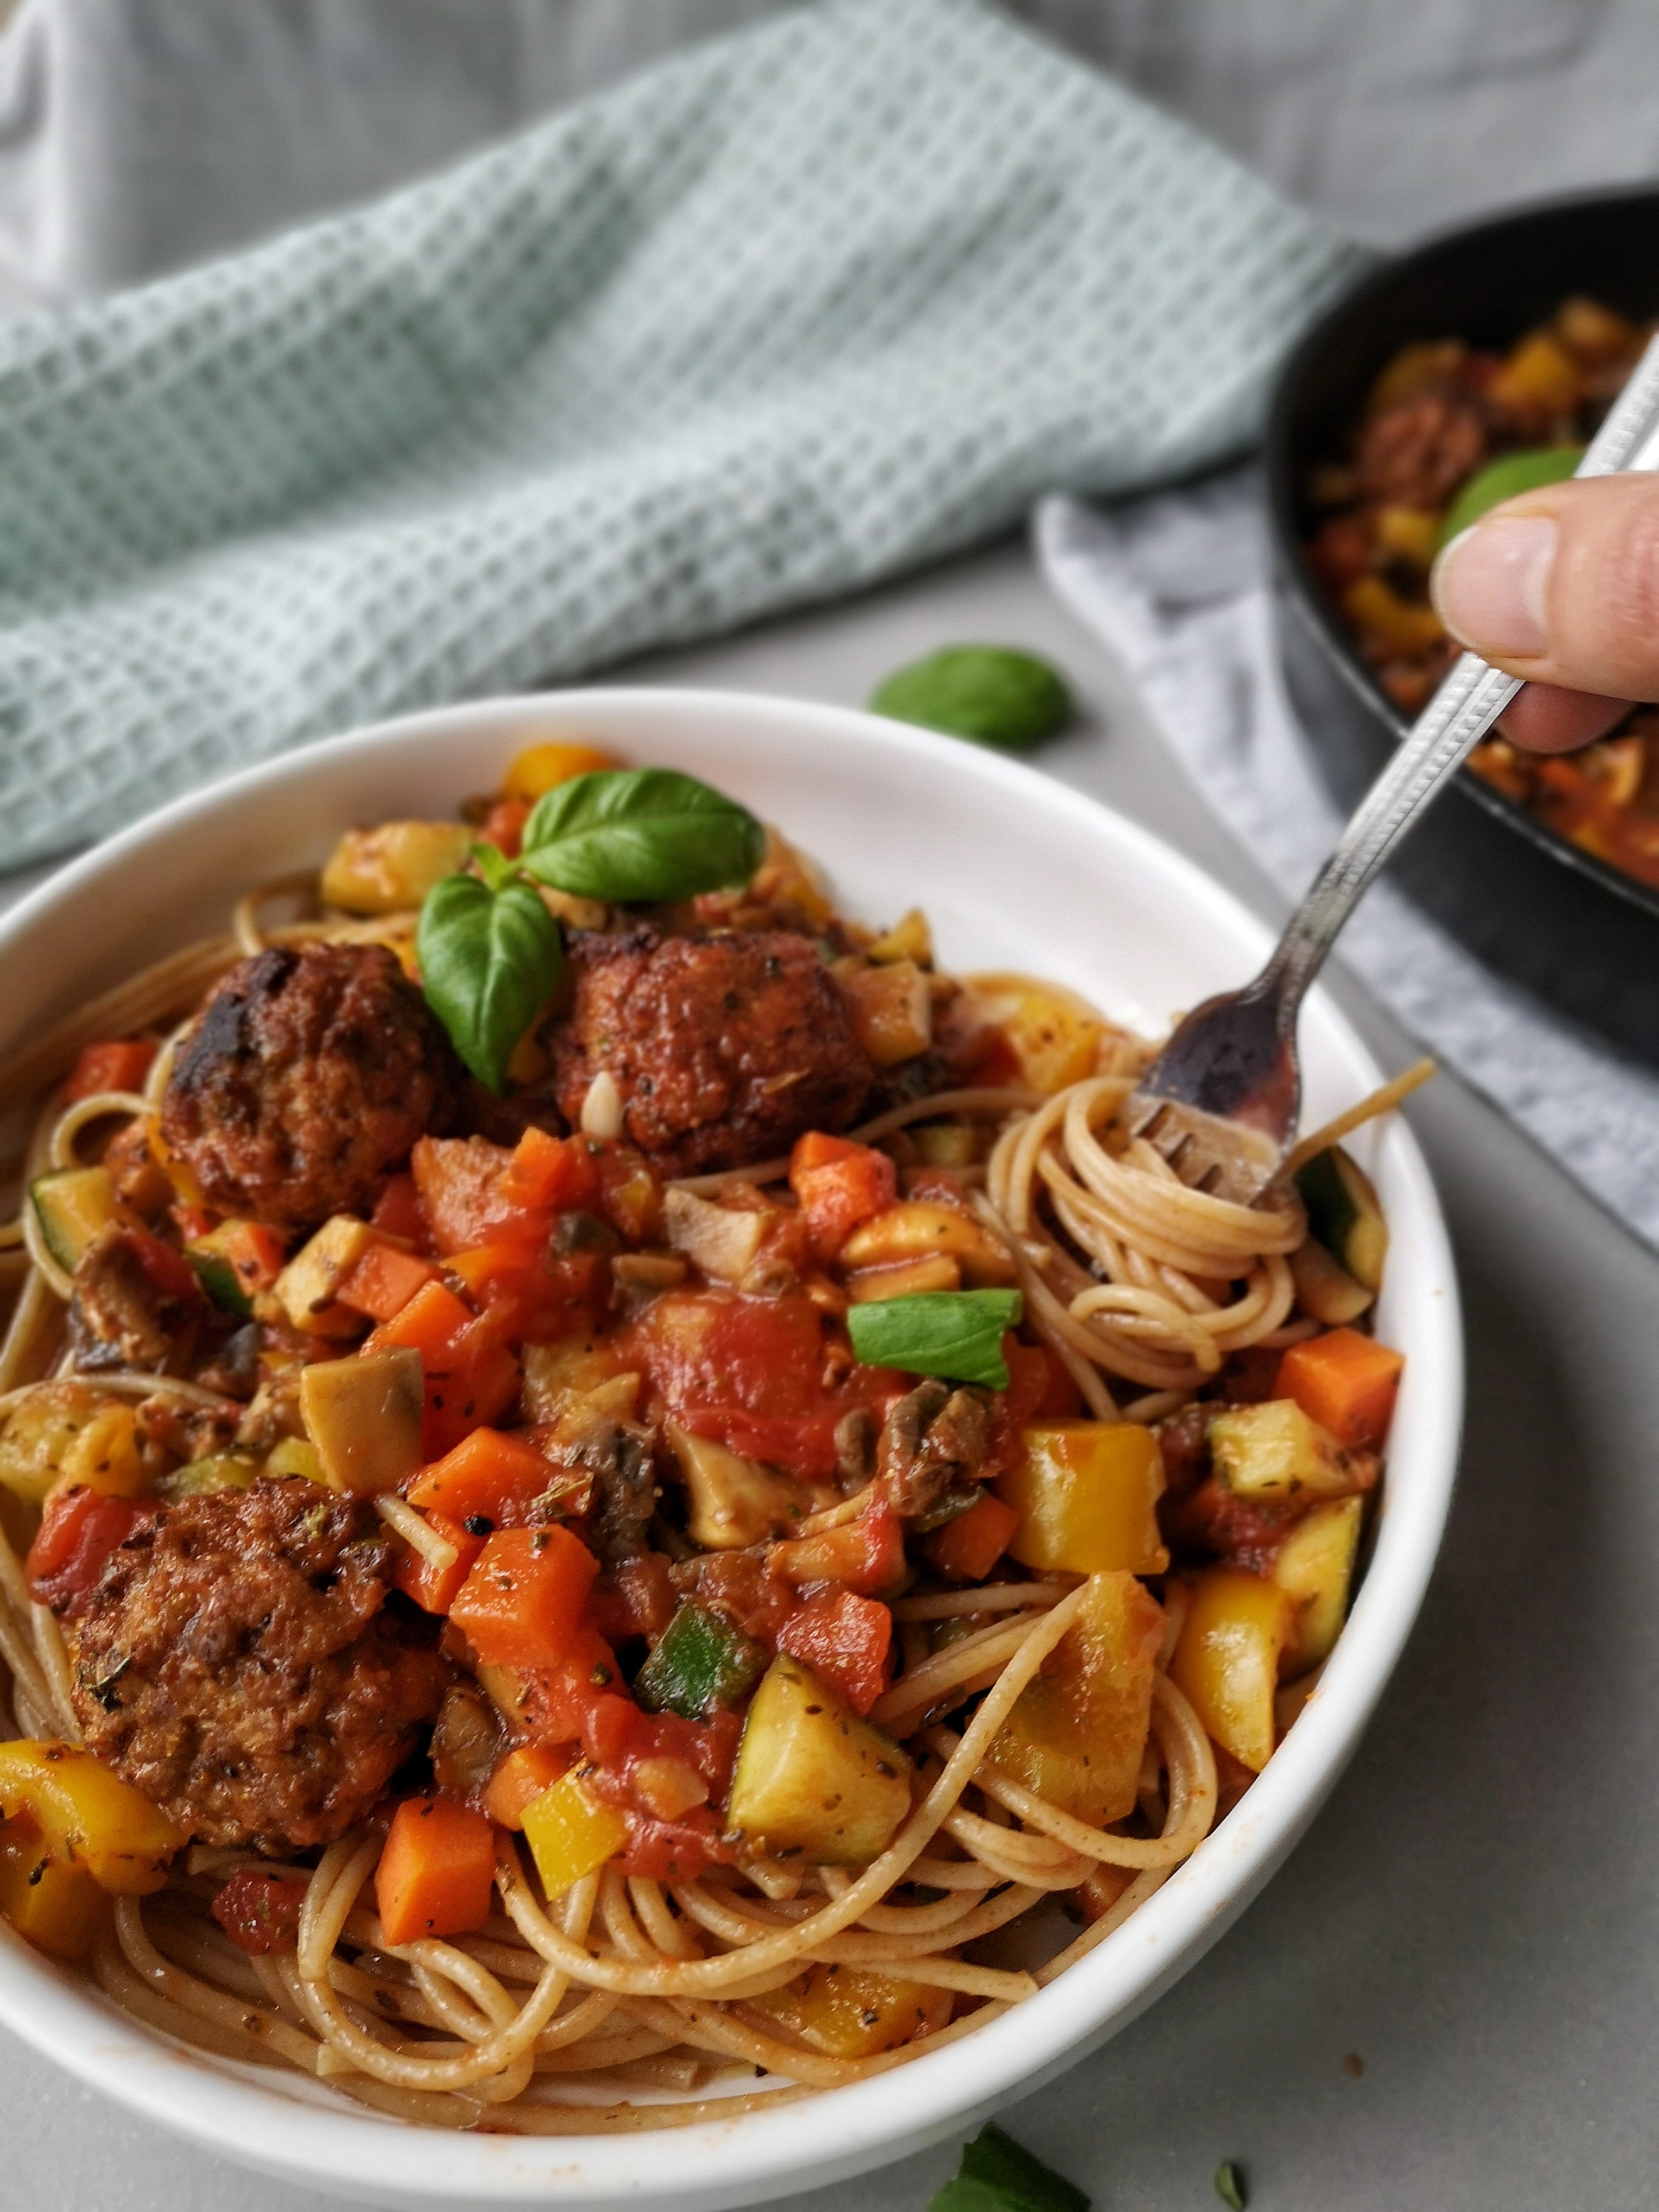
x: 733, y: 1502
x: 944, y: 1144
x: 892, y: 1009
x: 1053, y: 1034
x: 698, y: 1663
x: 1345, y: 1213
x: 218, y: 1278
x: 811, y: 1778
x: 364, y: 1417
x: 1079, y: 1731
x: 295, y: 1455
x: 203, y: 1478
x: 1323, y: 1289
x: 1274, y: 1450
x: 71, y: 1207
x: 1227, y: 1659
x: 1314, y: 1568
x: 1086, y: 1493
x: 307, y: 1286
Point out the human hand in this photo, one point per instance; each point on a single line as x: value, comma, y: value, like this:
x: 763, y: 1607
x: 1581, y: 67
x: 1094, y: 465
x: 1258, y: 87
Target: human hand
x: 1561, y: 587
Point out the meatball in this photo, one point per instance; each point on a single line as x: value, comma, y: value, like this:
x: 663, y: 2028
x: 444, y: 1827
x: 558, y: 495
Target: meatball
x: 1416, y: 452
x: 725, y: 1048
x: 237, y: 1662
x: 305, y: 1081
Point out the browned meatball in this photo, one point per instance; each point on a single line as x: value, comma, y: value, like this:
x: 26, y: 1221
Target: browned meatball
x: 237, y: 1662
x: 306, y: 1079
x: 1416, y: 452
x: 725, y: 1047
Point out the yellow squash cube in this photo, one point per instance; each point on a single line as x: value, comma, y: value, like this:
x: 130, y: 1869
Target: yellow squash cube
x: 570, y: 1833
x: 811, y: 1778
x: 1272, y: 1450
x: 852, y: 2012
x: 1079, y: 1731
x: 393, y: 866
x: 1314, y: 1569
x: 1226, y: 1661
x: 56, y: 1906
x: 42, y: 1433
x: 1086, y: 1493
x: 1052, y: 1033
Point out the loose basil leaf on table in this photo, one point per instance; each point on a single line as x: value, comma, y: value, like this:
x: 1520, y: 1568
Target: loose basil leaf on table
x: 997, y: 2174
x: 491, y: 956
x: 990, y: 694
x: 955, y: 1334
x: 642, y: 833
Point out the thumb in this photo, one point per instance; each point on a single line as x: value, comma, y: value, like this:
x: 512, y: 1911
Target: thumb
x: 1561, y: 587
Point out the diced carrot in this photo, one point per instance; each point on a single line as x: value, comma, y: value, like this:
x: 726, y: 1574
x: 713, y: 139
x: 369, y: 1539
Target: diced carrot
x: 488, y: 1474
x: 383, y: 1281
x: 432, y: 1588
x: 865, y: 1555
x: 460, y: 1183
x: 521, y: 1605
x: 520, y: 1778
x: 967, y: 1548
x: 398, y: 1211
x: 257, y: 1253
x: 120, y: 1065
x: 1345, y: 1381
x: 839, y: 1184
x: 431, y: 1323
x: 847, y: 1643
x: 548, y: 1173
x: 436, y: 1871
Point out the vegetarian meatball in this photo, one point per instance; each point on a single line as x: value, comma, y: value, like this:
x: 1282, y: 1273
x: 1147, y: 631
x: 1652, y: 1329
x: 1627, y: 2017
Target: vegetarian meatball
x: 725, y: 1048
x: 1416, y: 452
x: 238, y: 1662
x: 305, y: 1080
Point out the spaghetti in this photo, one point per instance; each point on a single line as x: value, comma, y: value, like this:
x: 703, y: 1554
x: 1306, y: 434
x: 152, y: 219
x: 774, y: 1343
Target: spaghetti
x: 728, y: 1970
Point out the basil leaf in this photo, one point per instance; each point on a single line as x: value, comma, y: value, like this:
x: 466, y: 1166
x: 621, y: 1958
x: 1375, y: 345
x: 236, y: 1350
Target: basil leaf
x: 955, y: 1334
x: 641, y: 833
x: 987, y: 693
x: 1229, y: 2186
x: 489, y: 961
x: 997, y: 2174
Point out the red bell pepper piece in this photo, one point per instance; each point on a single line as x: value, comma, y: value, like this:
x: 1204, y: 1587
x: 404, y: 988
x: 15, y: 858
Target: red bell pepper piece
x: 121, y: 1064
x: 81, y: 1528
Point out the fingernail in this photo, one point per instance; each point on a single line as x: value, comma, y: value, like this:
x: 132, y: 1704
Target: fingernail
x: 1491, y: 584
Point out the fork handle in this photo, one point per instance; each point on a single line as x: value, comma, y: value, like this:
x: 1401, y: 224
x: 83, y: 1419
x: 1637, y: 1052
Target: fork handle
x: 1459, y: 715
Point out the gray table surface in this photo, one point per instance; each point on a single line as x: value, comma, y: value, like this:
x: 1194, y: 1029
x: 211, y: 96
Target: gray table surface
x: 1474, y: 1918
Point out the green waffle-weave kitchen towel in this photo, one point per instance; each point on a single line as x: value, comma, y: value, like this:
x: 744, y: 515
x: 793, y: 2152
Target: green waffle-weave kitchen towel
x: 784, y: 315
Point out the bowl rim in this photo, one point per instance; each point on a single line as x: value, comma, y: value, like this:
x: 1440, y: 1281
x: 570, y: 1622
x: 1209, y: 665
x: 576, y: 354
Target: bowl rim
x: 1309, y: 604
x: 830, y: 2134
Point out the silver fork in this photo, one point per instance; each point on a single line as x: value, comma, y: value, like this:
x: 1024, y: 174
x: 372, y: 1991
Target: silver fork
x: 1221, y: 1100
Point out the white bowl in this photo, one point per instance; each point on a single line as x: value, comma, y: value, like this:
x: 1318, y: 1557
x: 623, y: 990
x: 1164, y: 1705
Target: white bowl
x: 1014, y: 872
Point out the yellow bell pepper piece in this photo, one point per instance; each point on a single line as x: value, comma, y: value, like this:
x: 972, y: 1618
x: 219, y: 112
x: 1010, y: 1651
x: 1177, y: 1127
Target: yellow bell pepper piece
x: 393, y: 866
x: 56, y: 1907
x: 570, y: 1833
x: 851, y: 2012
x: 1086, y: 1493
x: 1227, y: 1659
x: 104, y: 1456
x: 88, y: 1817
x: 543, y: 768
x: 1078, y: 1730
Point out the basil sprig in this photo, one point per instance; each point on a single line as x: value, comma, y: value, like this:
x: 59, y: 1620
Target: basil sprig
x: 491, y: 955
x: 997, y: 2174
x: 955, y: 1334
x: 641, y: 833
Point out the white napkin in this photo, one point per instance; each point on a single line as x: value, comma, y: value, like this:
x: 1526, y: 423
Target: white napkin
x: 1178, y: 587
